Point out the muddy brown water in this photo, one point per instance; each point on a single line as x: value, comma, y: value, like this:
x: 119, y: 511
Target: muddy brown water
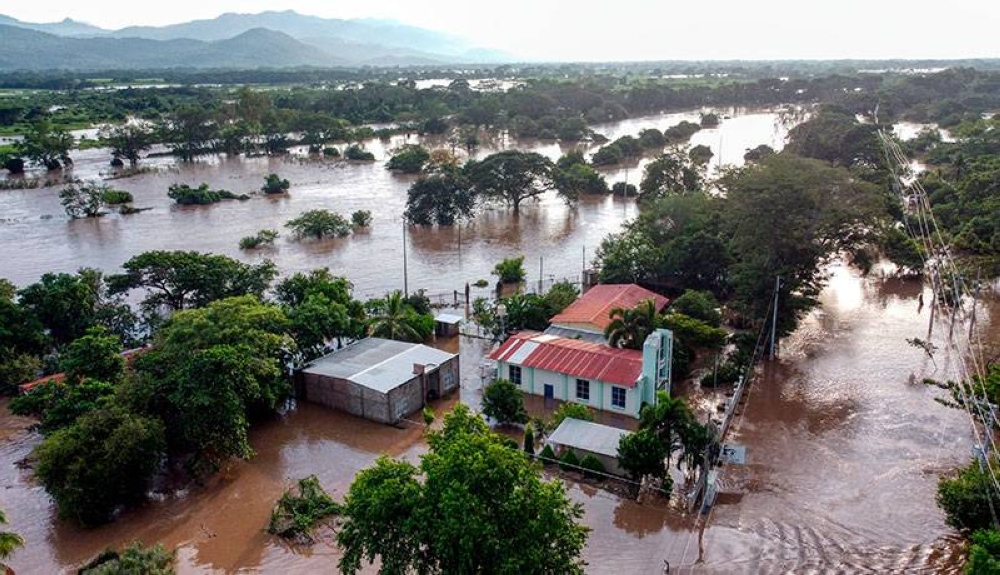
x: 37, y: 237
x: 844, y: 452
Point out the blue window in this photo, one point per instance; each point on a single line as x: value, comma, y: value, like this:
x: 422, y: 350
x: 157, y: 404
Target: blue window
x: 583, y: 389
x: 618, y: 397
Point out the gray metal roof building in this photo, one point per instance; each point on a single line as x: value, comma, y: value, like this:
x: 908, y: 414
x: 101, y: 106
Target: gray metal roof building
x: 589, y: 438
x: 380, y: 379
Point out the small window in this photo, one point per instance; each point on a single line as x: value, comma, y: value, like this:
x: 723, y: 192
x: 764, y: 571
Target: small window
x: 618, y: 397
x: 514, y: 373
x: 583, y: 389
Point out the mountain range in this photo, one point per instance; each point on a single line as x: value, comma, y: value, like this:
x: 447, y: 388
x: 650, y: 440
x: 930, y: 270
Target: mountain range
x: 264, y: 40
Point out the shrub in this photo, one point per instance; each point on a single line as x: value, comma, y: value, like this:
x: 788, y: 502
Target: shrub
x: 319, y: 224
x: 481, y: 283
x: 273, y: 184
x: 504, y: 402
x: 709, y: 120
x: 361, y: 219
x: 185, y: 195
x: 113, y: 197
x: 331, y: 152
x: 410, y: 159
x: 592, y: 464
x: 295, y: 515
x: 529, y: 439
x: 135, y: 559
x: 356, y: 152
x: 572, y: 411
x: 569, y: 461
x: 59, y: 405
x: 510, y: 270
x: 547, y: 456
x: 965, y: 499
x: 699, y: 305
x: 623, y: 189
x: 261, y: 238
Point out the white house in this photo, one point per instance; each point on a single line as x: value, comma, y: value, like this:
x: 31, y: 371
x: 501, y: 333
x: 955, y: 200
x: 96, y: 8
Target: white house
x: 594, y: 374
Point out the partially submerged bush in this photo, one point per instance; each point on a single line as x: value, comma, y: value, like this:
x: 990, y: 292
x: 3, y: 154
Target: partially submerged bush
x: 135, y: 559
x: 356, y: 152
x: 261, y: 238
x: 295, y: 516
x: 593, y: 466
x: 548, y: 456
x: 569, y: 461
x: 273, y: 184
x: 185, y: 195
x: 113, y: 197
x: 319, y: 224
x: 361, y: 219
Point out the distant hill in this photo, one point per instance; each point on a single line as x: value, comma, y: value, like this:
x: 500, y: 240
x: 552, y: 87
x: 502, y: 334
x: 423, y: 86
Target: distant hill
x: 346, y: 42
x: 24, y: 49
x: 67, y: 27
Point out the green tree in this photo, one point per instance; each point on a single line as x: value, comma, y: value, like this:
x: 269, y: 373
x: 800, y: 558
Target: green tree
x: 627, y: 257
x: 9, y: 542
x: 191, y: 131
x: 84, y: 200
x: 579, y: 179
x: 700, y: 305
x: 629, y: 328
x: 296, y: 514
x: 273, y: 184
x: 58, y: 405
x: 261, y: 238
x: 700, y: 155
x: 66, y: 304
x: 529, y: 439
x: 179, y: 279
x: 46, y: 145
x: 642, y: 454
x: 96, y: 355
x: 133, y: 560
x: 693, y: 332
x: 967, y: 498
x: 442, y: 198
x: 128, y: 141
x: 318, y: 224
x: 209, y: 370
x: 361, y: 220
x: 504, y: 402
x: 510, y: 270
x: 984, y: 554
x: 104, y: 460
x: 394, y: 318
x: 481, y: 508
x: 410, y: 159
x: 570, y: 410
x: 511, y: 177
x: 669, y: 173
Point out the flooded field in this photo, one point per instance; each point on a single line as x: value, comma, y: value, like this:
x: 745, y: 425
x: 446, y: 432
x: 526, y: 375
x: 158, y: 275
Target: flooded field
x: 844, y: 450
x: 38, y: 237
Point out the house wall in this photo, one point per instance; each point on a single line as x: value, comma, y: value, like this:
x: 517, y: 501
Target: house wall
x: 610, y: 463
x: 533, y: 381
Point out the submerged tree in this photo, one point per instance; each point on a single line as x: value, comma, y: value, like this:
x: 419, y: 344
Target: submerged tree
x: 482, y: 507
x: 9, y: 542
x: 511, y: 177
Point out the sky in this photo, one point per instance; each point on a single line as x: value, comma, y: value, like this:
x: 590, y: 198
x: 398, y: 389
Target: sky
x: 610, y: 30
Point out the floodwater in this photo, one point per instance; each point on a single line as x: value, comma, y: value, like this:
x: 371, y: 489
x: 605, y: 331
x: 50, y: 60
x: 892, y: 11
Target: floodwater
x: 844, y: 456
x: 38, y: 237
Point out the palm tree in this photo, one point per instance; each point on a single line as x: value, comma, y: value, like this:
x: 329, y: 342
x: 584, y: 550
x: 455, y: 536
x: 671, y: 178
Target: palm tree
x: 394, y: 319
x: 9, y: 541
x: 630, y: 327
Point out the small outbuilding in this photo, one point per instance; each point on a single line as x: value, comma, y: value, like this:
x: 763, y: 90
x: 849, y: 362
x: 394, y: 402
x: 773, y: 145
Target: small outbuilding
x: 447, y: 324
x: 380, y: 379
x: 589, y: 438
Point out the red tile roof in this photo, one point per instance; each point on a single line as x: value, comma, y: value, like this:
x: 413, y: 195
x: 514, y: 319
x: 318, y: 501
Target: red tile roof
x: 594, y: 307
x: 573, y: 357
x: 56, y: 377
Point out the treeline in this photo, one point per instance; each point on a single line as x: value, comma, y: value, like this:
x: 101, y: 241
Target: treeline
x: 219, y: 339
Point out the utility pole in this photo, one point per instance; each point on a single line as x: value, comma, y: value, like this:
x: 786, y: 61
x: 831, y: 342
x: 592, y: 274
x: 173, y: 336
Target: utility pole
x: 774, y: 317
x: 406, y: 284
x: 541, y: 274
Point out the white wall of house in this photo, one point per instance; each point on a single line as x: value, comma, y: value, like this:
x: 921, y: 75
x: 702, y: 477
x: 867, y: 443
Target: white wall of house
x: 533, y: 381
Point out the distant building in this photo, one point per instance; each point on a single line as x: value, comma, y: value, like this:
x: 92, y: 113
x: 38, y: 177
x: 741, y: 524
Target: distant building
x: 447, y: 324
x: 594, y: 374
x: 589, y: 438
x: 590, y: 314
x: 380, y: 379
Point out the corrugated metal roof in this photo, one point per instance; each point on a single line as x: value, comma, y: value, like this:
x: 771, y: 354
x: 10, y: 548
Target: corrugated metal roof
x: 378, y: 364
x: 449, y: 318
x: 594, y: 307
x: 588, y: 436
x: 577, y: 358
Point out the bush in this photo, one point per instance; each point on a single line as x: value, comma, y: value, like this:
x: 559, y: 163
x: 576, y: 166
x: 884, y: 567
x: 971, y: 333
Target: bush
x: 709, y: 120
x: 529, y: 439
x: 573, y: 411
x: 59, y: 405
x: 623, y: 189
x: 984, y: 554
x: 728, y: 373
x: 361, y: 219
x: 273, y: 184
x: 185, y: 195
x: 965, y: 499
x: 134, y: 560
x: 700, y: 305
x: 592, y: 464
x: 548, y: 456
x: 296, y: 515
x: 113, y: 197
x: 262, y: 238
x: 481, y: 283
x: 504, y: 402
x: 331, y: 152
x: 511, y: 270
x: 410, y: 159
x: 356, y: 152
x: 569, y: 461
x: 104, y: 460
x: 319, y: 224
